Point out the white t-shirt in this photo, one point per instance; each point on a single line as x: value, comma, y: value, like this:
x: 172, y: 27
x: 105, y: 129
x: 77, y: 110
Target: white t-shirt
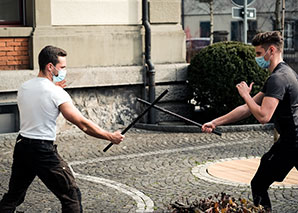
x: 38, y: 102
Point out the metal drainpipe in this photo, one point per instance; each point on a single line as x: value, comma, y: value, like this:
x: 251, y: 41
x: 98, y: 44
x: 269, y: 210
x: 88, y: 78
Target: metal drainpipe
x: 182, y: 14
x: 149, y: 65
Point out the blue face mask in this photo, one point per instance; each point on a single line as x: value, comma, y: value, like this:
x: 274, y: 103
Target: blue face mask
x: 262, y: 62
x: 61, y: 75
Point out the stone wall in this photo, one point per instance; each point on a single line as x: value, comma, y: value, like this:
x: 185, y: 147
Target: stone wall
x: 109, y: 107
x: 116, y: 107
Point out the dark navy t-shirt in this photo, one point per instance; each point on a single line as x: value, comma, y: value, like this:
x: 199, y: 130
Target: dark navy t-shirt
x: 283, y: 85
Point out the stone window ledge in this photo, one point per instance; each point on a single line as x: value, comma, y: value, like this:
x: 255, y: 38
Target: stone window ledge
x: 15, y: 31
x: 98, y: 76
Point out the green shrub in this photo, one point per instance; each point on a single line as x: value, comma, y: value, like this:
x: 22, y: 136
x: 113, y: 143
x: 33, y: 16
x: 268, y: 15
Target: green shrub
x: 214, y: 72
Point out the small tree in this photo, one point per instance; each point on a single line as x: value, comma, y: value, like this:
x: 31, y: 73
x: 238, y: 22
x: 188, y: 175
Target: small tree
x: 214, y: 72
x: 277, y: 23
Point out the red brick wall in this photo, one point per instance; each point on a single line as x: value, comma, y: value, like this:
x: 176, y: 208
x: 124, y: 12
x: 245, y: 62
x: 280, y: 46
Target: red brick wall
x: 14, y: 53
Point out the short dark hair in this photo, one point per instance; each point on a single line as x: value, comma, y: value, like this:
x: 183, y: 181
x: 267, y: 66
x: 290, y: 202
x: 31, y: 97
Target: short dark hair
x: 49, y: 54
x: 269, y: 38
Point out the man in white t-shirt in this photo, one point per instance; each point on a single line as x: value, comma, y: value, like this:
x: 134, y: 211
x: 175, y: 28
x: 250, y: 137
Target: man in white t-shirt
x: 40, y: 101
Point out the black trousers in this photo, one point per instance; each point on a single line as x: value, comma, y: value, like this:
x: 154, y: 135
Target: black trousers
x: 40, y: 158
x: 274, y: 166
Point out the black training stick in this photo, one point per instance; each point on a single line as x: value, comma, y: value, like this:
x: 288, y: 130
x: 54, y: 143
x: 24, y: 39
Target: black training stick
x: 176, y: 115
x: 140, y: 116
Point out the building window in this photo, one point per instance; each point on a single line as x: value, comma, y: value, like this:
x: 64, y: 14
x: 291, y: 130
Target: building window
x: 289, y: 35
x: 12, y: 12
x: 9, y: 118
x: 205, y: 29
x: 237, y: 30
x: 252, y: 30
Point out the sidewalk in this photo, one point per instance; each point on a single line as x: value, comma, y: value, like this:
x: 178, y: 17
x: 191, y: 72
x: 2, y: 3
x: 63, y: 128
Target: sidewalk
x: 148, y: 171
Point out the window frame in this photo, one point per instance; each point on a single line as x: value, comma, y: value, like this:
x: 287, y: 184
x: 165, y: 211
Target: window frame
x: 21, y: 21
x: 287, y: 36
x: 203, y: 30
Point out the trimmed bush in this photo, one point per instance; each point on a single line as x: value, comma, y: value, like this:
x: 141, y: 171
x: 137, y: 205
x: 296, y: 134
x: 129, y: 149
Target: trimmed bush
x: 214, y: 72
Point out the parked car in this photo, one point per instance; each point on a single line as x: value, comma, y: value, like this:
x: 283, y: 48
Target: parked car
x: 194, y: 45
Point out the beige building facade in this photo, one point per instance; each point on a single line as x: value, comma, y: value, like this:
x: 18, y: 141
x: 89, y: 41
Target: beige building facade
x: 104, y: 40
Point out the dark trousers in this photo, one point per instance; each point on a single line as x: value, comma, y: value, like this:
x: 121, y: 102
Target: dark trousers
x: 274, y: 166
x: 40, y: 158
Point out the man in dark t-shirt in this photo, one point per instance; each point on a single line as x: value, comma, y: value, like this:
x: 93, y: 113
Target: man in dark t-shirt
x: 278, y: 100
x: 282, y: 85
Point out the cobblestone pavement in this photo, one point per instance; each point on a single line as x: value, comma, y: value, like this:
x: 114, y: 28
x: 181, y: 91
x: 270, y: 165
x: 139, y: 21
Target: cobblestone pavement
x: 147, y: 172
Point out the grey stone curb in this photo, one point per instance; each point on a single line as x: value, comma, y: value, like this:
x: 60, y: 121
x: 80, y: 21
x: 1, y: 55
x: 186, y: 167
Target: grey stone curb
x: 195, y: 129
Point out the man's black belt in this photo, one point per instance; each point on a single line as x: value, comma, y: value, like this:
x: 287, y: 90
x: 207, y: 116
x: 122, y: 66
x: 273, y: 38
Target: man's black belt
x: 30, y: 140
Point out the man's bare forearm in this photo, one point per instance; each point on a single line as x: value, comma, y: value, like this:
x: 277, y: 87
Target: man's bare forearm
x: 235, y: 115
x: 92, y: 129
